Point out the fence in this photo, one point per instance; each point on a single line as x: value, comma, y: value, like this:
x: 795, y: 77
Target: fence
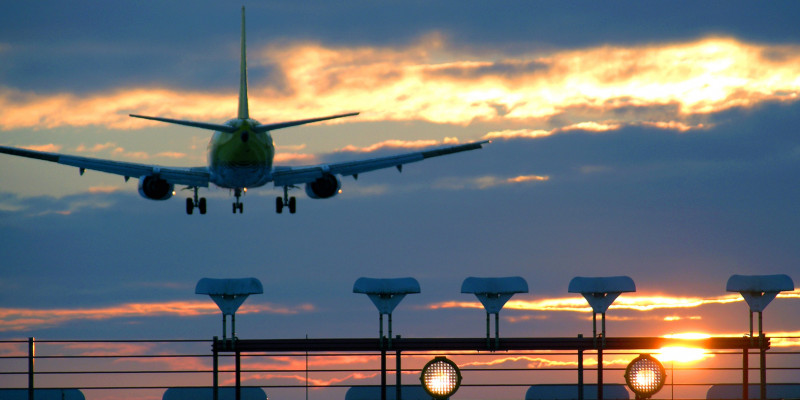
x: 326, y: 368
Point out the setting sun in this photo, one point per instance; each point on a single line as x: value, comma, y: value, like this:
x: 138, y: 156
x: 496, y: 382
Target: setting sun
x: 681, y: 354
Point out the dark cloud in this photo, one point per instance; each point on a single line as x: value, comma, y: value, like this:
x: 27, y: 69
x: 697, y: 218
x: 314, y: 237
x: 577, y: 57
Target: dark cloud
x: 51, y: 46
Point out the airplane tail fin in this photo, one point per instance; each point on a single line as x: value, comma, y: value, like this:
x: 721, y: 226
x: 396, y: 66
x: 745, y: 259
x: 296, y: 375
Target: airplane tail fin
x: 244, y: 111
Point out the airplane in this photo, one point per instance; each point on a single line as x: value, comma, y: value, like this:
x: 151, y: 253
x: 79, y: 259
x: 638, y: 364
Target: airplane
x: 240, y: 156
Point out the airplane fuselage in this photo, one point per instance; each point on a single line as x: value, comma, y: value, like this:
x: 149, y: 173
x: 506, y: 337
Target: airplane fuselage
x: 240, y: 159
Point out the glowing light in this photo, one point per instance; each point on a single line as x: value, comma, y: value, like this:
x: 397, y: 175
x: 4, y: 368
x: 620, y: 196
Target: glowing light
x: 440, y: 378
x: 681, y: 354
x: 645, y: 376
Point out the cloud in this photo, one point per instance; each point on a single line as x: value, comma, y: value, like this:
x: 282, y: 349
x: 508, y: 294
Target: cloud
x: 96, y: 148
x: 21, y: 319
x: 399, y: 144
x: 51, y: 148
x: 485, y: 182
x: 662, y: 84
x: 624, y: 302
x: 292, y: 158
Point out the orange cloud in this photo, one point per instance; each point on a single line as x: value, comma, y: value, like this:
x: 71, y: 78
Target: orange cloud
x: 485, y: 182
x: 51, y: 148
x: 294, y: 158
x: 400, y: 144
x: 96, y: 148
x: 103, y: 189
x: 624, y: 302
x: 20, y: 319
x: 672, y: 85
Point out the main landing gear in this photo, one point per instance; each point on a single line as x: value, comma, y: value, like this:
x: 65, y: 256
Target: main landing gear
x: 287, y: 201
x: 192, y: 203
x: 237, y: 205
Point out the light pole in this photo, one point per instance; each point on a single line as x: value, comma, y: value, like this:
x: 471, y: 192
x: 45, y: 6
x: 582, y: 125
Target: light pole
x: 386, y: 294
x: 493, y: 293
x: 758, y: 291
x: 600, y: 292
x: 229, y: 294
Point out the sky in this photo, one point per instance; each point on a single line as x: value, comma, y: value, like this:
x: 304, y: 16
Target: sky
x: 656, y: 140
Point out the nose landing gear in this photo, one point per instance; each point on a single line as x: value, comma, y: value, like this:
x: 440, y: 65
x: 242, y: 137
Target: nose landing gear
x: 287, y: 201
x: 192, y: 203
x: 237, y: 205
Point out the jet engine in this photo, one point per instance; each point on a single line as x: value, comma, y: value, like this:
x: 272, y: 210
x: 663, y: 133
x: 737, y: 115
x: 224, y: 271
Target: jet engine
x: 154, y: 188
x: 325, y: 187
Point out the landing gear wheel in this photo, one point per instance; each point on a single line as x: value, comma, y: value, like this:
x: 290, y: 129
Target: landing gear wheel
x: 279, y: 205
x: 189, y: 206
x: 241, y: 208
x: 202, y: 205
x: 292, y: 205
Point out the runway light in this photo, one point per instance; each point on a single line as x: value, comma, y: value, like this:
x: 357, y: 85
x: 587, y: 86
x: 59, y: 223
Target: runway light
x: 645, y: 376
x: 440, y: 378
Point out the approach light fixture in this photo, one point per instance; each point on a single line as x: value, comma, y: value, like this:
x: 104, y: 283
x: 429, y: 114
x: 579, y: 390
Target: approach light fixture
x: 758, y: 291
x: 440, y: 378
x: 386, y: 294
x: 229, y: 294
x: 493, y: 293
x: 600, y: 292
x: 645, y: 376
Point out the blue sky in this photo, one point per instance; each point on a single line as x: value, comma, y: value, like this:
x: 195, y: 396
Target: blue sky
x: 655, y: 140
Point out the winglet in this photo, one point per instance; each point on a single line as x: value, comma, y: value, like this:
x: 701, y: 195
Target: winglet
x: 244, y: 111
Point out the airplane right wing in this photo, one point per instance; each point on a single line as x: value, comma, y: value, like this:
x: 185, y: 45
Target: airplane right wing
x: 288, y: 176
x: 193, y: 177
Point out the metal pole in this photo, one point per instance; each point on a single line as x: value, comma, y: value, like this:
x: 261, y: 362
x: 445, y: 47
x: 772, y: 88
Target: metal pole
x: 216, y: 369
x: 233, y: 326
x: 224, y: 330
x: 380, y: 328
x: 745, y: 373
x: 383, y: 374
x: 594, y: 329
x: 306, y: 366
x: 600, y: 374
x: 488, y: 334
x: 600, y: 361
x: 238, y: 376
x: 399, y: 374
x: 390, y: 330
x: 762, y: 345
x: 31, y: 356
x: 580, y: 370
x: 604, y: 329
x: 497, y: 330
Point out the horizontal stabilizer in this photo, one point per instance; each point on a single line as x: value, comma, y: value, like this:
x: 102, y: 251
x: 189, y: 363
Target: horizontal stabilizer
x: 194, y: 124
x: 281, y: 125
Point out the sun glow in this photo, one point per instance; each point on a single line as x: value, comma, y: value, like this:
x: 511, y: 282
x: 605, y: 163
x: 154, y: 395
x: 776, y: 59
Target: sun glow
x: 681, y: 354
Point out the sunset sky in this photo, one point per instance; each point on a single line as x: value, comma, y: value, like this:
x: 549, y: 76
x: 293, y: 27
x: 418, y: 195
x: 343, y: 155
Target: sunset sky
x: 657, y: 140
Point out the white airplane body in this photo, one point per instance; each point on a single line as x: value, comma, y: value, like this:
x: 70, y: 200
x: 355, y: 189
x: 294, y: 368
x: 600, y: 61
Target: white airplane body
x: 240, y: 156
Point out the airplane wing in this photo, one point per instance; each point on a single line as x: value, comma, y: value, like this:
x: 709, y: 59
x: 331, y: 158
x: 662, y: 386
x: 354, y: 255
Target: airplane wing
x: 287, y: 176
x: 195, y: 177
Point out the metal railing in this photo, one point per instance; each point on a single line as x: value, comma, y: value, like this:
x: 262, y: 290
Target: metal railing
x: 146, y: 368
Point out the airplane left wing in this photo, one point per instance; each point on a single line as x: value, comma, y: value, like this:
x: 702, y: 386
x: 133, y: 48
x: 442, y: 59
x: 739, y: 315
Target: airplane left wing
x: 288, y: 176
x: 195, y: 177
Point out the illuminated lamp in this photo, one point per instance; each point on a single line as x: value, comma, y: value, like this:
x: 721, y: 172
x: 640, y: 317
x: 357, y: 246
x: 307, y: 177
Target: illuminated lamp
x: 645, y: 376
x: 229, y: 294
x: 440, y: 378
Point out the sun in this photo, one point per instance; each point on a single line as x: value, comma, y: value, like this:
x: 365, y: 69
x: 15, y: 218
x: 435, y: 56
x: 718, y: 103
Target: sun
x: 681, y: 354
